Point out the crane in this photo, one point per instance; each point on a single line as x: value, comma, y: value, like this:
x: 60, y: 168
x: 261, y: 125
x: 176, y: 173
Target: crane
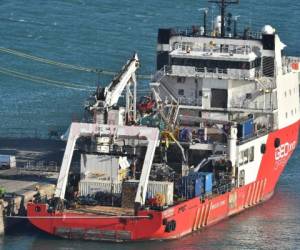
x: 108, y: 97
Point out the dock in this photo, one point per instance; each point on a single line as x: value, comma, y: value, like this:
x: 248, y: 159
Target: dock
x: 37, y: 167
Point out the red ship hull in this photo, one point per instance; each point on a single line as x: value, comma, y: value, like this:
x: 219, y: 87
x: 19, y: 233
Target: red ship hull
x: 180, y: 219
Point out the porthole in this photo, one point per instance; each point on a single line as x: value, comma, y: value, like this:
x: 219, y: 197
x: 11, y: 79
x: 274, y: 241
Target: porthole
x: 277, y: 143
x: 263, y: 148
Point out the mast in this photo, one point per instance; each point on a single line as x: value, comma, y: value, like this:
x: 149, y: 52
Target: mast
x: 205, y: 21
x: 223, y: 4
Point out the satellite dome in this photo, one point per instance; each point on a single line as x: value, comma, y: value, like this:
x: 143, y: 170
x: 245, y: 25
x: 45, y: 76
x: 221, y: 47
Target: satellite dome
x: 268, y: 30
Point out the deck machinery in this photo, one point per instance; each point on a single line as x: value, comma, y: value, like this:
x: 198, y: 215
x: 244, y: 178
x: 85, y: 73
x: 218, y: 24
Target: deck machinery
x: 224, y: 123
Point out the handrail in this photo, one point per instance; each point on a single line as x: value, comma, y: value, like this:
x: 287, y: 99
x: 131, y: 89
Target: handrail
x: 194, y: 31
x: 230, y: 49
x: 217, y: 73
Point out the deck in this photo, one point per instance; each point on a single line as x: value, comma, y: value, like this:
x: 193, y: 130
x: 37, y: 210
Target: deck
x: 103, y: 210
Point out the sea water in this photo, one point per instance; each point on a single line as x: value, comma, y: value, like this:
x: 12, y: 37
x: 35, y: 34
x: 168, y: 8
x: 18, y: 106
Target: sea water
x: 103, y: 34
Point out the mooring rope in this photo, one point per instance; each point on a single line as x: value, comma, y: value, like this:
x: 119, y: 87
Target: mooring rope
x: 56, y: 83
x: 44, y: 60
x: 67, y: 65
x: 42, y: 80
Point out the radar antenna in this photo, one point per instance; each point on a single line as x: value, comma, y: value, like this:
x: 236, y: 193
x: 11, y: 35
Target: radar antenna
x: 223, y: 4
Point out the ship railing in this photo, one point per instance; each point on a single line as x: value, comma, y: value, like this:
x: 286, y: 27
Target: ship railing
x: 189, y: 101
x: 248, y: 107
x: 160, y: 74
x: 195, y: 31
x: 267, y: 101
x: 45, y: 166
x: 257, y: 134
x: 205, y: 72
x: 222, y: 189
x: 215, y: 73
x: 230, y: 49
x: 257, y: 108
x: 225, y: 74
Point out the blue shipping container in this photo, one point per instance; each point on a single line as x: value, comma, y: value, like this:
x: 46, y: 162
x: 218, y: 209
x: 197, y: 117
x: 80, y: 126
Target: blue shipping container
x: 198, y: 187
x: 195, y: 175
x: 246, y: 129
x: 206, y: 179
x: 208, y: 182
x: 191, y: 187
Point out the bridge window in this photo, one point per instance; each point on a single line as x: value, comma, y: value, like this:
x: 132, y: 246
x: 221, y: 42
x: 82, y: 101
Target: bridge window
x: 201, y: 63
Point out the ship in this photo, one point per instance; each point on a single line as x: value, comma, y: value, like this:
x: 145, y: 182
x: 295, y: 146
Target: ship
x: 210, y: 140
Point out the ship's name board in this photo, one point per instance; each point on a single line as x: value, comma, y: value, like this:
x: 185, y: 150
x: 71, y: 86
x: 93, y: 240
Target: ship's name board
x: 284, y: 150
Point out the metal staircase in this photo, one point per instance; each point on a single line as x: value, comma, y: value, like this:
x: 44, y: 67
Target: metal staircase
x: 267, y: 84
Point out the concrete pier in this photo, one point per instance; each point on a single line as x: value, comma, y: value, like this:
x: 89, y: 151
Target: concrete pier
x: 38, y: 164
x: 17, y: 195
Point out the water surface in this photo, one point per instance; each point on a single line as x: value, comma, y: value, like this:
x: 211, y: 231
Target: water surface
x: 104, y: 34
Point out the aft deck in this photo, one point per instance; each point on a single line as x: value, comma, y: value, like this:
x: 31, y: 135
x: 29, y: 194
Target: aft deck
x: 103, y: 210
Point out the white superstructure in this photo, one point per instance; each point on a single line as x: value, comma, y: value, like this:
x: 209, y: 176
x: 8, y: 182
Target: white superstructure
x: 225, y: 79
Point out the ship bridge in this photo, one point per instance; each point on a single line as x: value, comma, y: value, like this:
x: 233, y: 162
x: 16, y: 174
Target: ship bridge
x: 219, y: 77
x: 222, y: 74
x: 204, y: 60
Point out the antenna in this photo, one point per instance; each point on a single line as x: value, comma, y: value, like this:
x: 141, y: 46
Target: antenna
x: 223, y: 4
x: 235, y: 28
x: 205, y: 12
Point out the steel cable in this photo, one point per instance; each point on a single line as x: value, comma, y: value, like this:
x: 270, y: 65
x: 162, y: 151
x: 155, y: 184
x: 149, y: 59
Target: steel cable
x: 41, y: 80
x: 65, y: 65
x: 47, y: 61
x: 61, y: 84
